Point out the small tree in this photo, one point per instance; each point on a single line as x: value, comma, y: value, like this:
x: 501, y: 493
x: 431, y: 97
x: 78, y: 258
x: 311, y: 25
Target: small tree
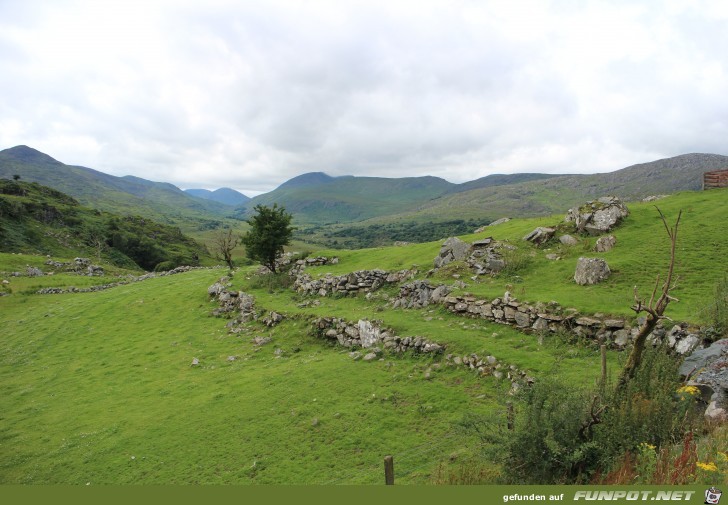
x: 16, y: 177
x: 270, y: 230
x: 225, y: 242
x: 654, y: 309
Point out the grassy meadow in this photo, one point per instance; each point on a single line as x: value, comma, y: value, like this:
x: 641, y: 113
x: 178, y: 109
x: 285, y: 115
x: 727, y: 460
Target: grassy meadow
x: 98, y: 388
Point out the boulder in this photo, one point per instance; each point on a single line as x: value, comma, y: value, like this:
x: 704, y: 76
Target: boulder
x: 591, y: 271
x: 568, y: 240
x: 605, y: 244
x: 702, y: 358
x: 369, y: 334
x: 598, y: 217
x: 540, y: 235
x: 34, y: 272
x: 453, y: 249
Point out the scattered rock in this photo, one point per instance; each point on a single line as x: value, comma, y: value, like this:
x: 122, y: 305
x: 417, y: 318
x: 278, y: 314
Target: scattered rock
x: 553, y: 257
x: 605, y: 244
x: 540, y: 235
x: 261, y: 340
x: 591, y: 271
x: 34, y: 272
x: 370, y: 356
x: 195, y: 362
x: 653, y: 198
x: 568, y: 240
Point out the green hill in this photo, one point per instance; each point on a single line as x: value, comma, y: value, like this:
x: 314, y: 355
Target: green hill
x: 225, y: 196
x: 319, y: 198
x: 122, y: 195
x: 99, y: 388
x: 38, y: 219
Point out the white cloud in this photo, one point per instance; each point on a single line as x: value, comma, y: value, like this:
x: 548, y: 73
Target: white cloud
x: 249, y: 94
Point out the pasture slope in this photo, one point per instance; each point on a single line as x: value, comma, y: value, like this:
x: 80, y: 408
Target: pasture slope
x: 99, y: 387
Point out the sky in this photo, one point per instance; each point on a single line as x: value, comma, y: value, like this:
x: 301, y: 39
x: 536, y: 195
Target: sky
x: 248, y: 94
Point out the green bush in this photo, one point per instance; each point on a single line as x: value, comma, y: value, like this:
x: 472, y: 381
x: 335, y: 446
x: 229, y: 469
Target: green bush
x: 569, y: 434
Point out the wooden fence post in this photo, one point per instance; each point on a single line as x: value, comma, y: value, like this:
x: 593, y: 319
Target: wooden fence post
x: 389, y: 470
x: 510, y: 415
x: 604, y: 364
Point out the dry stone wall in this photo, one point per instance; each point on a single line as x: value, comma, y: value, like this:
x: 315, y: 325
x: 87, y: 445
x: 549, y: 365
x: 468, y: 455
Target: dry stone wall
x: 543, y: 317
x: 362, y: 281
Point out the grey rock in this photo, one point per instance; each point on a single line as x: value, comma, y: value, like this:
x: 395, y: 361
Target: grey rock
x: 591, y: 271
x: 687, y: 344
x: 453, y: 249
x: 605, y: 244
x: 370, y: 356
x: 540, y: 235
x: 715, y: 413
x: 195, y: 362
x: 568, y: 240
x: 703, y: 357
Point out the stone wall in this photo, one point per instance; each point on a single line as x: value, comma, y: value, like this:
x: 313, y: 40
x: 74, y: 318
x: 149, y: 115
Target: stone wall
x: 543, y: 317
x: 361, y: 281
x: 101, y: 287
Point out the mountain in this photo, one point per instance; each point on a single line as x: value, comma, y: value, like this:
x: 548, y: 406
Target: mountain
x: 319, y: 198
x: 499, y: 180
x: 226, y: 196
x: 38, y: 219
x: 546, y: 196
x: 123, y: 195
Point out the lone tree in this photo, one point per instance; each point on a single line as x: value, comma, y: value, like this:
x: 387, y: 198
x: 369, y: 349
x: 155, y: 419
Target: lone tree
x: 654, y: 308
x: 270, y: 230
x: 225, y: 242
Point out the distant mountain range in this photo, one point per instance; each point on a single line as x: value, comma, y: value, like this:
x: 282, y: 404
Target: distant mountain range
x: 123, y: 195
x: 227, y: 196
x: 318, y: 199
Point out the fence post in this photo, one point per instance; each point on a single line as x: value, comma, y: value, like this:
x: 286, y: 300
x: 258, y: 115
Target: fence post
x: 389, y: 470
x: 604, y: 364
x: 511, y: 416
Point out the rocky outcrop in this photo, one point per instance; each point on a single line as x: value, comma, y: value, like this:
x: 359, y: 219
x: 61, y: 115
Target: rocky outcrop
x: 598, y: 217
x: 453, y: 249
x: 232, y: 304
x: 363, y: 281
x: 482, y: 256
x: 591, y: 271
x: 708, y: 367
x: 540, y: 235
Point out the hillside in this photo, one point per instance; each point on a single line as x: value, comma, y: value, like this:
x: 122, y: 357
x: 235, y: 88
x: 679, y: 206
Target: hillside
x: 38, y: 219
x: 162, y: 393
x: 226, y: 196
x: 534, y: 198
x: 122, y: 195
x: 319, y: 198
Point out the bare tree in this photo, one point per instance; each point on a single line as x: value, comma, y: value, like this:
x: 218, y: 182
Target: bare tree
x: 98, y: 242
x: 654, y: 309
x: 225, y: 242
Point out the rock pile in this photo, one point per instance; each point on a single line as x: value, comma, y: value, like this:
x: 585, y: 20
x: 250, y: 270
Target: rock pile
x: 370, y: 335
x: 419, y: 294
x: 540, y: 235
x: 232, y: 302
x: 483, y: 255
x: 453, y: 249
x: 361, y: 281
x: 598, y: 217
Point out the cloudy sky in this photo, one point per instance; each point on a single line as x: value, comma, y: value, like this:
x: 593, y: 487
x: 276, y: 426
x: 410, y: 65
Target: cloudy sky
x: 248, y: 94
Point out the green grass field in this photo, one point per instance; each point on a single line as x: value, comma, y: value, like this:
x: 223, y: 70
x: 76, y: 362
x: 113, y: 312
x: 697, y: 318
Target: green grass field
x: 98, y: 387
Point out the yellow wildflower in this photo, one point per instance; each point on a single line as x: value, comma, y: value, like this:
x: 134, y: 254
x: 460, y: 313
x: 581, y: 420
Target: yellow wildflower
x: 691, y: 390
x: 708, y: 467
x: 645, y: 446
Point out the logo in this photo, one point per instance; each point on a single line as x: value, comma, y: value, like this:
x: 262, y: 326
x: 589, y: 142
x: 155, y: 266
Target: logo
x: 712, y: 496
